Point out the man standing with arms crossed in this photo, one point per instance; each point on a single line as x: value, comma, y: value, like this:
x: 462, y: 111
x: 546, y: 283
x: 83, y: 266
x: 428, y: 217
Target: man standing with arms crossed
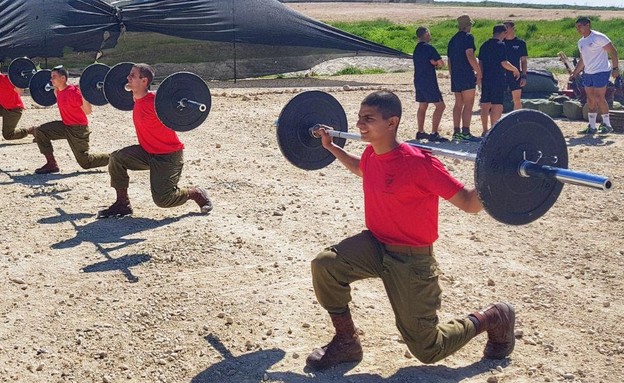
x: 494, y: 66
x: 465, y: 75
x: 595, y: 49
x: 517, y: 55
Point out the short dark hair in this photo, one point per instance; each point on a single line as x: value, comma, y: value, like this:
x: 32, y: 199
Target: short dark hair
x: 498, y: 29
x: 145, y: 71
x: 61, y: 71
x: 583, y: 20
x: 388, y: 103
x: 420, y: 32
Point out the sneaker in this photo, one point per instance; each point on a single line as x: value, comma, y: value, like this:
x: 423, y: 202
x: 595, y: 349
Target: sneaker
x: 604, y: 129
x: 47, y: 168
x: 436, y: 137
x: 466, y: 137
x: 587, y: 130
x: 422, y: 136
x: 116, y: 210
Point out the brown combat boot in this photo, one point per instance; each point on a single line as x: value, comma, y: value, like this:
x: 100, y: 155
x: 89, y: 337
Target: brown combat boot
x: 345, y: 347
x: 499, y: 321
x: 50, y: 166
x: 200, y: 196
x: 120, y: 208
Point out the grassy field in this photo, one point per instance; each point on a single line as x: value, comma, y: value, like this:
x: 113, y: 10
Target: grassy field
x: 544, y: 38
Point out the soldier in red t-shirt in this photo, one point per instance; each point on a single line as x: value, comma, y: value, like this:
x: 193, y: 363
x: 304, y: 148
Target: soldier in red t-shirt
x: 73, y: 127
x: 402, y: 186
x: 11, y: 109
x: 159, y: 151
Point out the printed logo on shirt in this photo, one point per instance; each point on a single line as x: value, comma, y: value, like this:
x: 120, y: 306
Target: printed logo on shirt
x: 388, y: 183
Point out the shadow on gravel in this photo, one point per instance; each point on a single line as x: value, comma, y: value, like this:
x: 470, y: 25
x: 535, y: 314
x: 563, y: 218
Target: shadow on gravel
x: 590, y: 141
x: 44, y: 185
x: 255, y: 366
x: 109, y: 235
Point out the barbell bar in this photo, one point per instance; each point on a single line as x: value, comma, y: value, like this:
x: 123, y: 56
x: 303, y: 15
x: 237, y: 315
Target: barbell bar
x: 182, y: 103
x: 520, y: 166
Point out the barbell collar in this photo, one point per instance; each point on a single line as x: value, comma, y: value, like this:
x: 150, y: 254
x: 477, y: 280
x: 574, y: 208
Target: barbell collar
x: 185, y: 103
x: 567, y: 176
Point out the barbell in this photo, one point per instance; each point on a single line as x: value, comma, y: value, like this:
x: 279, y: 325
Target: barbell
x: 520, y: 166
x: 182, y: 101
x: 41, y: 89
x: 23, y: 74
x: 21, y: 70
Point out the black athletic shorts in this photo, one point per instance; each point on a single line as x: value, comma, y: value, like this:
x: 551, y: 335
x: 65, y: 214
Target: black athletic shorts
x: 492, y: 93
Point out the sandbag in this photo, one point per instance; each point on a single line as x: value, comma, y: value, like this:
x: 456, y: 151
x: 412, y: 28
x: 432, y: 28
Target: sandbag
x: 540, y: 81
x: 532, y: 103
x: 572, y: 110
x: 551, y: 108
x: 560, y: 98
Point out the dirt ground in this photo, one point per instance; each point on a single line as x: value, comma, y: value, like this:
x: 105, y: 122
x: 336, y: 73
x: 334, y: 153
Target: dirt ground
x: 169, y: 295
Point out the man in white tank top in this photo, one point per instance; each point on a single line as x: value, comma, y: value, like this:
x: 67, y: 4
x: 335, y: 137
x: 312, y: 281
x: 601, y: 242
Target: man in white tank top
x: 595, y: 49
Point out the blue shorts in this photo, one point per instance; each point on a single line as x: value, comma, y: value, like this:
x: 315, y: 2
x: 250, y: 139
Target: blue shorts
x: 596, y: 80
x: 462, y: 83
x: 492, y: 93
x: 512, y: 83
x: 429, y: 95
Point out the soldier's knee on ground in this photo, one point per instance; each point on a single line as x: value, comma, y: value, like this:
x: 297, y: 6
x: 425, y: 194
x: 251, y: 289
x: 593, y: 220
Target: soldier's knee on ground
x: 423, y: 343
x: 84, y: 163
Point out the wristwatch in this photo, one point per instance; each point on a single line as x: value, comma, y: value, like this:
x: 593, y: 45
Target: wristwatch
x: 615, y: 68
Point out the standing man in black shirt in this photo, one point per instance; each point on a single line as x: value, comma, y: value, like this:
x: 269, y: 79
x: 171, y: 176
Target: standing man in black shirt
x: 493, y: 61
x: 517, y: 55
x: 465, y: 75
x: 426, y: 60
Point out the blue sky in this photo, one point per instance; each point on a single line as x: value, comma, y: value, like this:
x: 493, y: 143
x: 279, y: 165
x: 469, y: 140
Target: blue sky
x: 603, y: 3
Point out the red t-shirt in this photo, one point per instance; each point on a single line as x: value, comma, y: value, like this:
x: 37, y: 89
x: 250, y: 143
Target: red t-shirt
x: 401, y: 193
x: 69, y: 101
x: 9, y: 99
x: 153, y: 135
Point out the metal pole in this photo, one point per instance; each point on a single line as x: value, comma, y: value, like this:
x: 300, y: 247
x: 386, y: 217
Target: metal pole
x: 525, y: 168
x: 567, y: 176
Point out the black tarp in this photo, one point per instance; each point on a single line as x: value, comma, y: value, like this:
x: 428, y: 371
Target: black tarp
x: 239, y: 38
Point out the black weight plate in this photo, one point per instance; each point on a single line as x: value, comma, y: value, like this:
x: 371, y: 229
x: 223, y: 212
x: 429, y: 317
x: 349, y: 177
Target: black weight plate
x: 300, y: 114
x: 21, y: 71
x: 173, y: 89
x: 92, y: 83
x: 507, y: 196
x: 38, y: 90
x: 115, y: 86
